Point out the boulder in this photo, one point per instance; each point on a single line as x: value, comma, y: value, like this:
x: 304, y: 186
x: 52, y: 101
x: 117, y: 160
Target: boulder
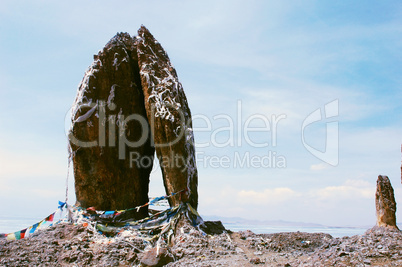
x: 385, y: 203
x: 109, y: 127
x: 170, y: 119
x: 156, y: 256
x: 129, y: 104
x: 213, y: 227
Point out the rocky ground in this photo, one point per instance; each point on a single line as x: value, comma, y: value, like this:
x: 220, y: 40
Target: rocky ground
x: 77, y: 245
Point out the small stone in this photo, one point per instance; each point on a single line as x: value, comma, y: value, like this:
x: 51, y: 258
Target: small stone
x: 342, y: 253
x: 239, y: 250
x: 255, y: 261
x: 245, y: 234
x: 155, y: 257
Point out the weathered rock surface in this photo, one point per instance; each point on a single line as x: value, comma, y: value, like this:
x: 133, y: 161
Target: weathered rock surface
x: 156, y: 257
x: 70, y: 245
x: 169, y: 117
x: 213, y: 227
x: 130, y: 91
x: 385, y: 203
x: 75, y: 245
x: 379, y: 246
x: 101, y: 132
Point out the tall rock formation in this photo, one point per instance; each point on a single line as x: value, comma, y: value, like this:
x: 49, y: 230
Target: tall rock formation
x: 109, y: 93
x: 129, y: 101
x: 170, y: 119
x: 385, y: 203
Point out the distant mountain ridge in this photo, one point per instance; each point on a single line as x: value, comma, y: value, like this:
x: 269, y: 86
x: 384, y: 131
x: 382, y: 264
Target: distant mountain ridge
x: 238, y: 220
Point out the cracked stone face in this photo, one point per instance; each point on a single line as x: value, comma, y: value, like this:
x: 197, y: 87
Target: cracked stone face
x: 385, y: 202
x: 170, y: 117
x: 129, y: 105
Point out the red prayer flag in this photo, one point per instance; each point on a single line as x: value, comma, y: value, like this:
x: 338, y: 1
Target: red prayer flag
x: 22, y: 234
x: 50, y: 218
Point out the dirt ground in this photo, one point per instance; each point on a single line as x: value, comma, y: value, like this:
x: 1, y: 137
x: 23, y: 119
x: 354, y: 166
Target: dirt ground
x: 76, y: 245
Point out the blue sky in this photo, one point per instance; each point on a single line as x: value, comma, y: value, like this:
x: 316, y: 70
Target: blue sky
x: 275, y: 57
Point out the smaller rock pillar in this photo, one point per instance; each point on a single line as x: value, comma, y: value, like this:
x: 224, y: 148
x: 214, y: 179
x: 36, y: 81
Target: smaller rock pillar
x: 385, y: 203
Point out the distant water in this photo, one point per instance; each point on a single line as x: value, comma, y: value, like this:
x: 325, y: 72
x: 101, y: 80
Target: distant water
x: 261, y: 229
x: 14, y: 224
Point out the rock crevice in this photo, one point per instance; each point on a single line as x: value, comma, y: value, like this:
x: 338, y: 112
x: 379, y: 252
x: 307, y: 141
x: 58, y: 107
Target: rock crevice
x: 129, y: 104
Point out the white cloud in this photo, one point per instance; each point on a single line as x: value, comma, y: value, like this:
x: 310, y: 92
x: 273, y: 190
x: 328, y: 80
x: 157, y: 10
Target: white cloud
x: 298, y: 98
x: 351, y: 189
x: 319, y: 167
